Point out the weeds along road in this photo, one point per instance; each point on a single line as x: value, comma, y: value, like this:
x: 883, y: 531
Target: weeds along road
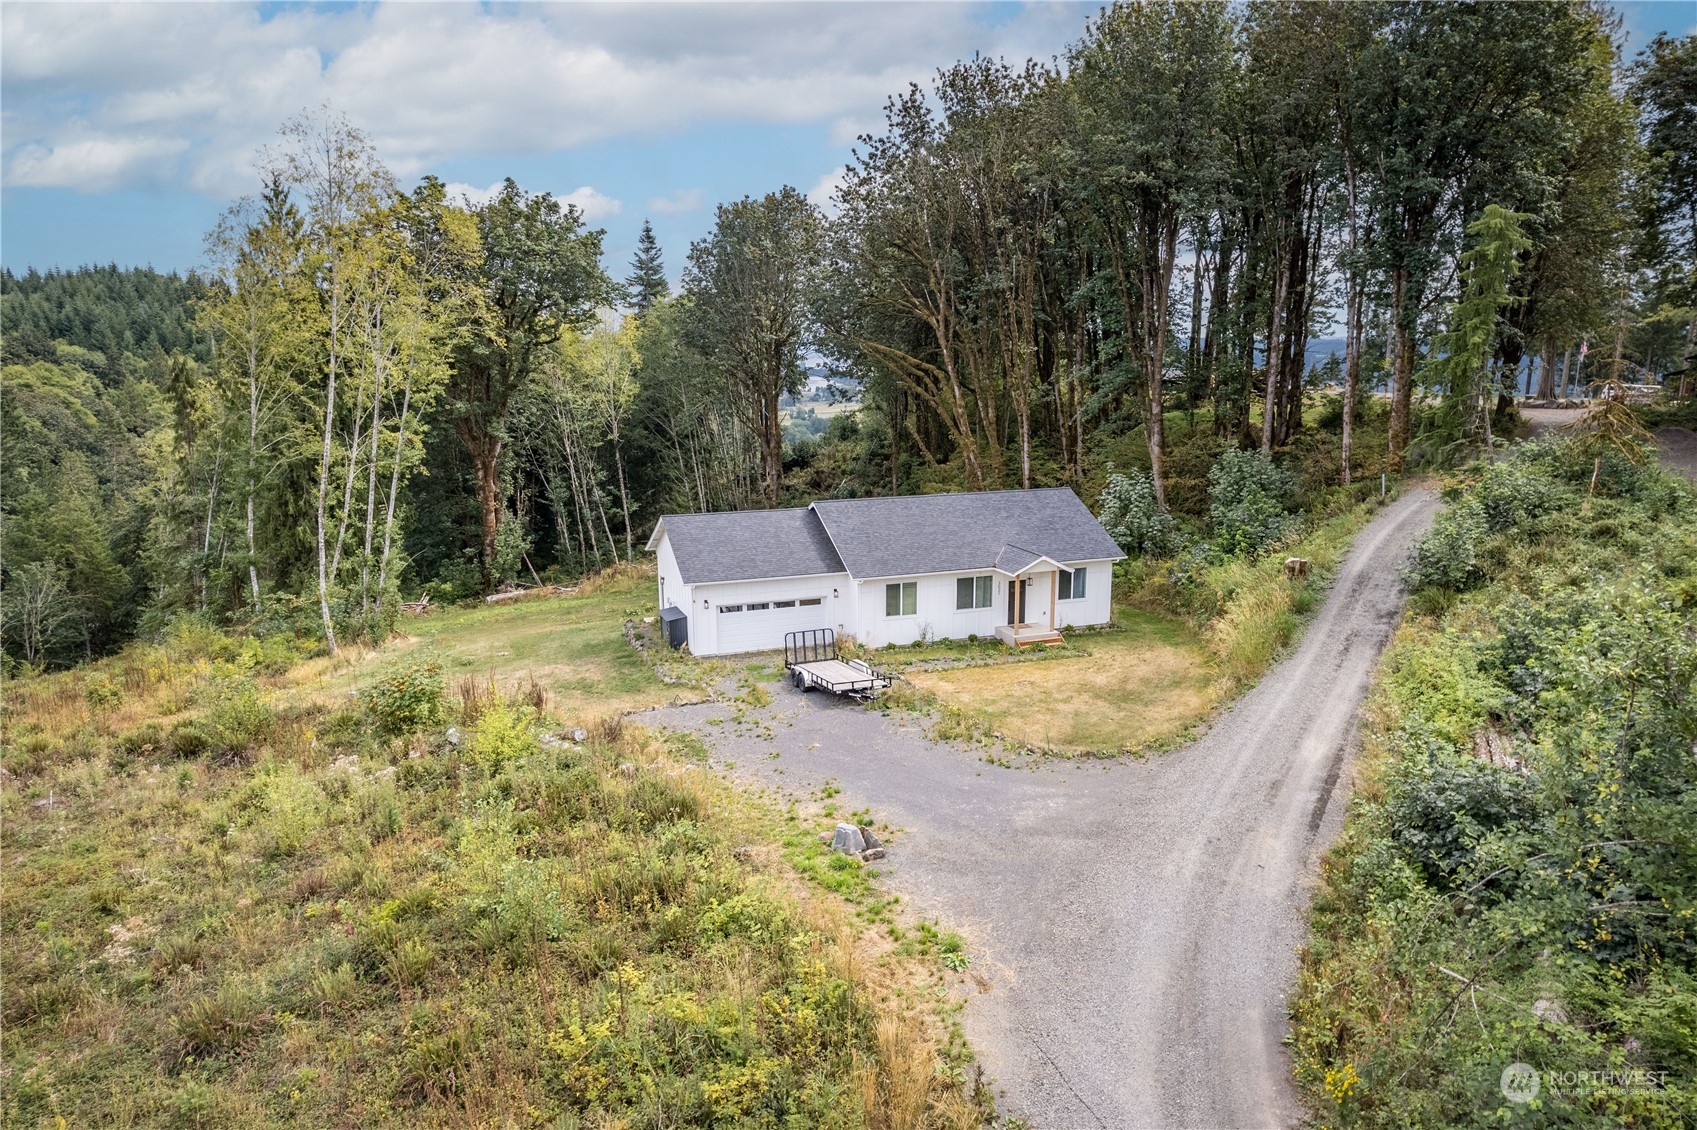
x: 1133, y: 925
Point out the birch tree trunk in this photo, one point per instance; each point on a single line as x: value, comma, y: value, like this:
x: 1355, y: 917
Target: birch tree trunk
x: 252, y: 461
x: 394, y: 491
x: 324, y: 460
x: 377, y: 358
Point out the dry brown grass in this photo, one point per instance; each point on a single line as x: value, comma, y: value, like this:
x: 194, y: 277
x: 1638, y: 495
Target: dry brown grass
x: 1138, y: 687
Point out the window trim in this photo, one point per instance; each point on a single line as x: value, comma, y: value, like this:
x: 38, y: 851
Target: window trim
x: 901, y: 588
x: 1070, y: 578
x: 980, y: 592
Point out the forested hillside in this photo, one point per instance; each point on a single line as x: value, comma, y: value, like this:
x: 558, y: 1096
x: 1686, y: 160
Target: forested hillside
x: 1030, y: 275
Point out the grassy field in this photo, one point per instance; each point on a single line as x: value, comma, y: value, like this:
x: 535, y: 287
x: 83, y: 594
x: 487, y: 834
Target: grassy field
x: 572, y: 647
x: 1140, y: 685
x: 237, y: 895
x: 1157, y: 675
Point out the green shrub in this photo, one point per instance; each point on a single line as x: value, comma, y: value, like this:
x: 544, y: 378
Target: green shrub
x: 235, y: 724
x: 189, y: 739
x: 530, y: 910
x: 100, y: 692
x: 1448, y: 556
x: 1443, y: 807
x: 504, y: 733
x: 273, y: 654
x: 1247, y: 496
x: 407, y: 696
x: 1510, y: 493
x: 294, y: 811
x: 743, y: 916
x: 145, y: 741
x: 1129, y: 512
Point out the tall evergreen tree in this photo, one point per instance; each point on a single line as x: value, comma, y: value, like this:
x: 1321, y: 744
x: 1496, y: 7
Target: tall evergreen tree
x: 647, y: 282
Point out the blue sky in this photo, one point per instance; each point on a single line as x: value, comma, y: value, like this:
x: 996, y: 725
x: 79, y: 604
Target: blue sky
x: 125, y: 130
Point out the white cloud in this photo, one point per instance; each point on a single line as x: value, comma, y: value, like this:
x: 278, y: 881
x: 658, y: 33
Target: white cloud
x: 823, y: 192
x: 683, y: 200
x: 96, y: 163
x: 470, y: 194
x: 184, y: 94
x: 593, y: 204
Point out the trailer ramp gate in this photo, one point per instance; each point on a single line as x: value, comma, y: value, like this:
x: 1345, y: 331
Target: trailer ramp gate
x: 812, y: 660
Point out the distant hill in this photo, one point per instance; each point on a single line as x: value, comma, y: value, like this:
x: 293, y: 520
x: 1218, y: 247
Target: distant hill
x: 112, y: 310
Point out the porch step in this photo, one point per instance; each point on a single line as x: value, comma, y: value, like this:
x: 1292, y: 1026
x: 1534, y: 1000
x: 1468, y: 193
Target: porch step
x: 1023, y: 635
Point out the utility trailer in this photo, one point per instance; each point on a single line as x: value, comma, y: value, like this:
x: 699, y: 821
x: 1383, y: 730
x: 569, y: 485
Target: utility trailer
x: 811, y: 658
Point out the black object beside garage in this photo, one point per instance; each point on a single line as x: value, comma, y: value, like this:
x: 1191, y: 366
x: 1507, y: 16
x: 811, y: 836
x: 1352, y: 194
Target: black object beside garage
x: 675, y: 622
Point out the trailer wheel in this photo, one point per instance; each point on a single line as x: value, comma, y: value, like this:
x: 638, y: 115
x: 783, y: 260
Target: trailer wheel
x: 801, y: 683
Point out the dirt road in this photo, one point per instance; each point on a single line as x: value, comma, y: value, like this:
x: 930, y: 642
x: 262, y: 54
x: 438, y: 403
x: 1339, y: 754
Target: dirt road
x: 1679, y: 450
x: 1678, y: 445
x: 1136, y: 922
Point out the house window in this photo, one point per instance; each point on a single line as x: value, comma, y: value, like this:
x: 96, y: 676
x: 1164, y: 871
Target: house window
x: 1072, y: 584
x: 813, y: 602
x: 901, y: 599
x: 972, y: 592
x: 730, y: 608
x: 783, y: 604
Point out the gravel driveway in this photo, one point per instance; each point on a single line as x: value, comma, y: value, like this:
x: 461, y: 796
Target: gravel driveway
x: 1679, y: 450
x: 1136, y: 922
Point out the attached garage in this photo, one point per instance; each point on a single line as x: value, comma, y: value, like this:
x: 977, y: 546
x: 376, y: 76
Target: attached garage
x: 762, y: 625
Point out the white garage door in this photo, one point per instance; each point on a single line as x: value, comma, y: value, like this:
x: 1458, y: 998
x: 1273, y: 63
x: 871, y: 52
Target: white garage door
x: 761, y: 625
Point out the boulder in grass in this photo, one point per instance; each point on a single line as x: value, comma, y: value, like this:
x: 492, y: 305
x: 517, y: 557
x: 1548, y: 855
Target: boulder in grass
x: 872, y: 855
x: 872, y: 841
x: 848, y: 840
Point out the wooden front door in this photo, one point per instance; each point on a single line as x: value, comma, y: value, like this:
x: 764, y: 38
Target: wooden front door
x: 1016, y: 600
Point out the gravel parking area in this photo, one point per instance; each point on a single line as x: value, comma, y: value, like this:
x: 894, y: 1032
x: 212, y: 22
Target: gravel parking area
x: 1133, y: 924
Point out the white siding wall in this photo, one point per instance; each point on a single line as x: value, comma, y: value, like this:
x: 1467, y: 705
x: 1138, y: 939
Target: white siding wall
x: 703, y: 617
x: 673, y: 591
x: 1098, y: 603
x: 671, y: 588
x: 936, y: 607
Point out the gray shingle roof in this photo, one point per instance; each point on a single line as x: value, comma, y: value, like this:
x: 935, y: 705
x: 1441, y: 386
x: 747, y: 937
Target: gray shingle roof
x: 949, y: 533
x: 1013, y: 558
x: 748, y: 545
x: 889, y: 537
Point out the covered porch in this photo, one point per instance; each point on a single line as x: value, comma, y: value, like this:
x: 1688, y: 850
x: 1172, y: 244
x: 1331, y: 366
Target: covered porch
x: 1031, y: 598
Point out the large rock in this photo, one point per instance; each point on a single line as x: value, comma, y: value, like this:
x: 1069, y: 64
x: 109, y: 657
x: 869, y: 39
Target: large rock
x: 872, y: 841
x: 848, y: 840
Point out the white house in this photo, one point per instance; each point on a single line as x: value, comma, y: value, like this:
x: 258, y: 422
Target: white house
x: 1016, y: 564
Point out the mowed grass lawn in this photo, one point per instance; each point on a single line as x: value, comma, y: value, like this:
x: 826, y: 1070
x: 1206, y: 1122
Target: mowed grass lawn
x: 1141, y: 685
x: 574, y: 647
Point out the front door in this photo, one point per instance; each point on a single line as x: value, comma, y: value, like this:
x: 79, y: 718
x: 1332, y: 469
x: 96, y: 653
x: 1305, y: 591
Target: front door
x: 1016, y: 600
